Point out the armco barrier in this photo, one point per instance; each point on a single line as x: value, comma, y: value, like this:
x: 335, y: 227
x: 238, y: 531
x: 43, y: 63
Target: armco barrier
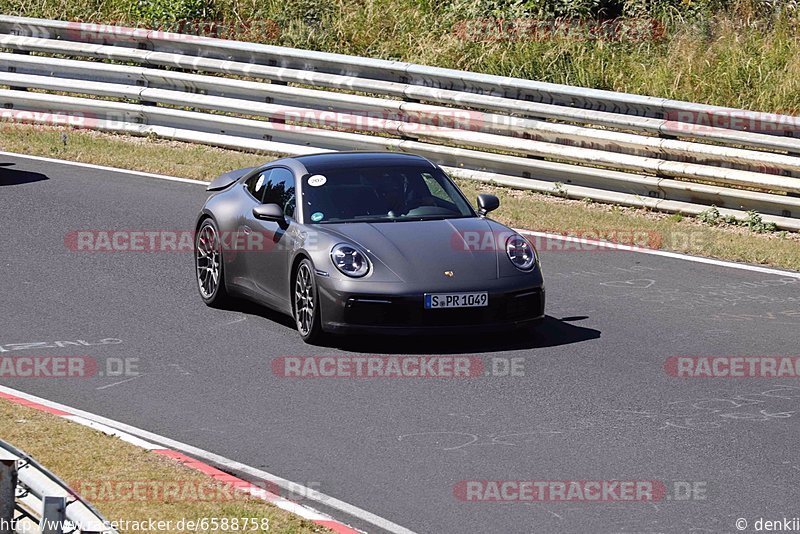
x: 394, y: 71
x: 40, y: 501
x: 274, y: 100
x: 252, y: 135
x: 669, y: 127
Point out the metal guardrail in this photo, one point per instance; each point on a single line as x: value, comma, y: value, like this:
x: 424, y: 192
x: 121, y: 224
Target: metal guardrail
x: 351, y: 66
x: 238, y: 96
x: 509, y: 136
x: 668, y: 127
x: 33, y: 500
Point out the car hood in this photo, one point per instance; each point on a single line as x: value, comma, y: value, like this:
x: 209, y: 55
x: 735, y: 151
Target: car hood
x: 423, y: 250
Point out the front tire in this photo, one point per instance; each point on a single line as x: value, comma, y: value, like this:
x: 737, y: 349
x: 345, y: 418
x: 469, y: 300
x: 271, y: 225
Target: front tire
x: 306, y: 303
x: 208, y: 265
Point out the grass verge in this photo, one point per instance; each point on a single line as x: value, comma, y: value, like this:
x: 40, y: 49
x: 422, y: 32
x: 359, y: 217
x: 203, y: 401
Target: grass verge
x: 86, y: 458
x: 522, y: 209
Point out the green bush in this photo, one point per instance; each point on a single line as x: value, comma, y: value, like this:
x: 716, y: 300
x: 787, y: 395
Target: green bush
x: 166, y: 14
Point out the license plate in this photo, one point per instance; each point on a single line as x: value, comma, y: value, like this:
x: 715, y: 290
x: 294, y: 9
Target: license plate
x: 456, y: 300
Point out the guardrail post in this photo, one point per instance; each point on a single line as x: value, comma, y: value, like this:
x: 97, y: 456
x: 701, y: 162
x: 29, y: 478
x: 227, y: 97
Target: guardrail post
x: 8, y: 487
x: 54, y: 514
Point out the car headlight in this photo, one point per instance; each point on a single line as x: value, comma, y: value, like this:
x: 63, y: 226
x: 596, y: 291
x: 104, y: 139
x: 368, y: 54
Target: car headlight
x: 520, y: 252
x: 349, y: 260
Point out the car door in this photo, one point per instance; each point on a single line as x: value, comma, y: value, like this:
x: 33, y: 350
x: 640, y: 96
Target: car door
x: 270, y: 243
x: 248, y: 195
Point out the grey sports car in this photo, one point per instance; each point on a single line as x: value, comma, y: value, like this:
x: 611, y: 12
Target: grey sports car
x: 370, y: 242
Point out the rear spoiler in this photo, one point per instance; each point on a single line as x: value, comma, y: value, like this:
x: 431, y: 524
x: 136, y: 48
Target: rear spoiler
x: 224, y: 181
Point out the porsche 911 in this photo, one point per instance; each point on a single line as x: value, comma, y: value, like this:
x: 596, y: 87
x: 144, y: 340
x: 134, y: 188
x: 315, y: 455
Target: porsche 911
x: 364, y: 242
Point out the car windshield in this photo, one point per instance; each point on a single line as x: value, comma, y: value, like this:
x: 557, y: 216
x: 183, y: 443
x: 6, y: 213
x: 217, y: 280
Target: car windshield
x: 382, y: 194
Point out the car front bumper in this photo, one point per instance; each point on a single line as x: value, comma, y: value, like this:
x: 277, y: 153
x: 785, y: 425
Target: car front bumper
x: 345, y: 312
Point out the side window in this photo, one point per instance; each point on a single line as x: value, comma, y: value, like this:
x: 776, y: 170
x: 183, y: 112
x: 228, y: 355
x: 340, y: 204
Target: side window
x: 255, y: 184
x: 279, y: 189
x: 435, y: 187
x: 288, y: 209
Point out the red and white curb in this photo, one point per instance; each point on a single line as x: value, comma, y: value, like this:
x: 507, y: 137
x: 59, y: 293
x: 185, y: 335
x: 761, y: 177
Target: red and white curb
x: 76, y: 416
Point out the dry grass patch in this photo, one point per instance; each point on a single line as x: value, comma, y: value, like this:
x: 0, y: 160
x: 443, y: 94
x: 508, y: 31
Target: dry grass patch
x: 90, y: 459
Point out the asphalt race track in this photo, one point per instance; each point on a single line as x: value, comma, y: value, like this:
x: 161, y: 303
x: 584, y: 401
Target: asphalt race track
x: 595, y: 402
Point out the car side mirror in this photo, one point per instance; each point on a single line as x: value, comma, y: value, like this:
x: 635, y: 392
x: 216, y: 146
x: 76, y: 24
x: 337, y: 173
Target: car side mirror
x: 487, y: 203
x: 268, y: 212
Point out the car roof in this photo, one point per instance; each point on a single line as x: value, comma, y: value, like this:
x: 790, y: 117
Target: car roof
x: 319, y: 163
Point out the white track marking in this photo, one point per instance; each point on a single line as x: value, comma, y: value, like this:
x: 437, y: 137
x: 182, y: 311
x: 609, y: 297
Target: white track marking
x: 311, y: 494
x: 120, y: 382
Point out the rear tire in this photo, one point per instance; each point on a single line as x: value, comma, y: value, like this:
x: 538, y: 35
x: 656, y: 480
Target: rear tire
x: 209, y: 265
x: 306, y: 303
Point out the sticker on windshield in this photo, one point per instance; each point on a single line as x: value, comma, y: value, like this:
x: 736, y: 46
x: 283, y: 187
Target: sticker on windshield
x: 316, y: 217
x: 317, y: 180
